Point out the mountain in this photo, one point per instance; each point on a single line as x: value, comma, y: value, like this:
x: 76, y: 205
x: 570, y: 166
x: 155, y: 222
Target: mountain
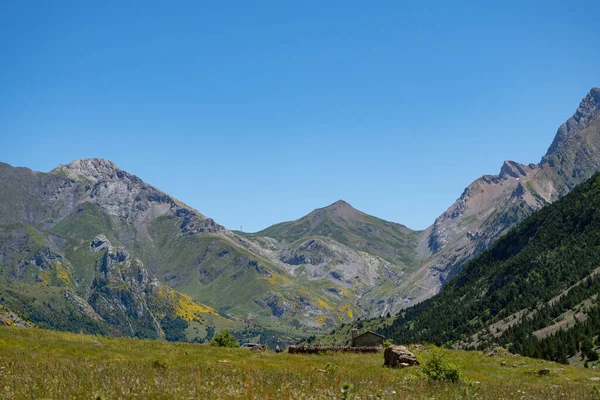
x: 365, y: 256
x: 90, y: 246
x: 59, y: 269
x: 535, y: 290
x: 493, y: 204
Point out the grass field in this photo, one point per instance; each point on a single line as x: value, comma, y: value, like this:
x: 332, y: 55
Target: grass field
x: 46, y: 364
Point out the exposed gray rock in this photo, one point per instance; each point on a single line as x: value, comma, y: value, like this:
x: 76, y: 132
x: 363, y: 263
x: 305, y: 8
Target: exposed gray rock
x: 100, y: 242
x: 9, y: 318
x: 127, y: 197
x: 81, y: 305
x: 586, y: 112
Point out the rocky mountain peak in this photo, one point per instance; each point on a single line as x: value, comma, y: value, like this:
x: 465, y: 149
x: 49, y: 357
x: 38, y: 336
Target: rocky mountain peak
x: 589, y: 106
x: 339, y: 208
x: 590, y: 103
x: 92, y: 169
x: 340, y: 203
x: 512, y: 169
x: 585, y: 113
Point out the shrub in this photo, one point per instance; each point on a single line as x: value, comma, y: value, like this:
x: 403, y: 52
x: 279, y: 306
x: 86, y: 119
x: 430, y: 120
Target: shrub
x: 331, y: 369
x: 440, y: 369
x: 224, y: 339
x: 346, y: 390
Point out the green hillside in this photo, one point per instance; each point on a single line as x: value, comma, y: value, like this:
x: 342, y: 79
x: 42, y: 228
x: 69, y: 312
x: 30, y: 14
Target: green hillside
x: 340, y: 221
x: 346, y: 252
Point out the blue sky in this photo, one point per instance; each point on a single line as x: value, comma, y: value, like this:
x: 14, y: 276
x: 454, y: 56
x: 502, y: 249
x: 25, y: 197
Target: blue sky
x: 258, y: 112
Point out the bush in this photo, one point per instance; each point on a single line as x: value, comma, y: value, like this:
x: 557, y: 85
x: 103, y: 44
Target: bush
x: 440, y: 369
x: 224, y: 339
x: 331, y: 369
x: 159, y: 364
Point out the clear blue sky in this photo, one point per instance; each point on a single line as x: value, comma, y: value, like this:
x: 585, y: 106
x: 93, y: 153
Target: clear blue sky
x: 258, y: 112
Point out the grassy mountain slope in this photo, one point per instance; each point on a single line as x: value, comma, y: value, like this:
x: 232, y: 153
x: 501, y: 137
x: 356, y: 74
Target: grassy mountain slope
x: 90, y: 286
x: 340, y: 246
x: 393, y: 242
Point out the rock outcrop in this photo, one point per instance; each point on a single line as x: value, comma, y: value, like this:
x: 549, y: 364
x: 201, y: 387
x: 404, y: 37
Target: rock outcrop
x: 9, y: 318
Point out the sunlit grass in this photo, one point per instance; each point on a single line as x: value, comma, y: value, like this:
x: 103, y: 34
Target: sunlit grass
x: 45, y: 364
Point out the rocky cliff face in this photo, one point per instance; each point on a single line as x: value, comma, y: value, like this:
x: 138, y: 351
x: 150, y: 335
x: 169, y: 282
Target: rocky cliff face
x: 586, y: 114
x: 120, y: 291
x: 126, y: 196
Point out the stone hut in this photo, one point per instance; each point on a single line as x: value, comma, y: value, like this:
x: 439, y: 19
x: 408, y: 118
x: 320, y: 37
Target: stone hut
x: 366, y: 339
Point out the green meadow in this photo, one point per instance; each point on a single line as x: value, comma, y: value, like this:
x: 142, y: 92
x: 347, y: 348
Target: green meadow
x: 37, y: 364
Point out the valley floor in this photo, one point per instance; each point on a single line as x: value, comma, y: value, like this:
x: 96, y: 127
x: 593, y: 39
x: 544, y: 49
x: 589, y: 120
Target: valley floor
x: 35, y: 363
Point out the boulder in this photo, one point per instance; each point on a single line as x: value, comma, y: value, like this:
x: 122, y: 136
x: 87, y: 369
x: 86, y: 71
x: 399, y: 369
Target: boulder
x: 399, y: 356
x: 543, y: 371
x: 260, y: 348
x: 496, y: 351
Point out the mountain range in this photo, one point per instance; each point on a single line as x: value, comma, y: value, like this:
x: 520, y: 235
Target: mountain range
x: 88, y: 246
